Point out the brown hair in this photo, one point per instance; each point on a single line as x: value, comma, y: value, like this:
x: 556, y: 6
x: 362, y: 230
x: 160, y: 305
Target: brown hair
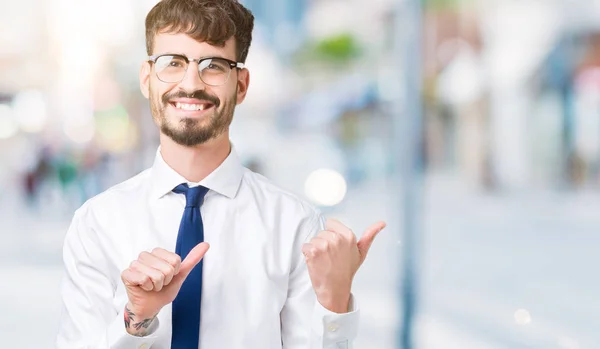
x: 212, y: 21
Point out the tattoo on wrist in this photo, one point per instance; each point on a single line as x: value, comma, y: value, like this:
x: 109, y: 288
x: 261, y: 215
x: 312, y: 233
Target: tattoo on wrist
x: 140, y: 326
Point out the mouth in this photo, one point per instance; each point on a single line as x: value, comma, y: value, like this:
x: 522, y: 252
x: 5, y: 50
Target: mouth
x: 191, y: 108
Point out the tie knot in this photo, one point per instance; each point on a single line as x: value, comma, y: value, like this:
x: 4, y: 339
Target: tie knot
x: 193, y: 196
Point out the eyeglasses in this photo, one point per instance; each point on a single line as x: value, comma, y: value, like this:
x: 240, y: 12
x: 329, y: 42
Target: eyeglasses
x: 213, y: 71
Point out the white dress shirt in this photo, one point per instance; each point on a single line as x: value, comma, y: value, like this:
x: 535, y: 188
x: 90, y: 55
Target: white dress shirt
x: 256, y: 291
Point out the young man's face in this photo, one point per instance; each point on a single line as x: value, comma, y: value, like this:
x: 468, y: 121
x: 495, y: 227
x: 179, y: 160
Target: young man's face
x: 191, y: 111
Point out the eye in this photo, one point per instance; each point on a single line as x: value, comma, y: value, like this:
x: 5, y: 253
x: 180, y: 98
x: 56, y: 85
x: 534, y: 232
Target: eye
x: 170, y: 62
x: 216, y: 66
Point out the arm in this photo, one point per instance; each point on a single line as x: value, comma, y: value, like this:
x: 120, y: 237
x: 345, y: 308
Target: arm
x: 305, y: 323
x: 88, y: 318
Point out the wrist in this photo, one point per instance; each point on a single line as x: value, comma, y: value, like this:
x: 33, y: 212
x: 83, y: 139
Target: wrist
x: 337, y: 303
x: 137, y: 323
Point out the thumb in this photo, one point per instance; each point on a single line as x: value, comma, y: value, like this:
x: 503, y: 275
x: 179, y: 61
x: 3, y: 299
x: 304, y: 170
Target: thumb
x: 367, y: 238
x: 191, y: 260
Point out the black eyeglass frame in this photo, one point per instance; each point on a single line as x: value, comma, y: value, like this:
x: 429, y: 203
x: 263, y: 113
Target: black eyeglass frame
x: 232, y: 65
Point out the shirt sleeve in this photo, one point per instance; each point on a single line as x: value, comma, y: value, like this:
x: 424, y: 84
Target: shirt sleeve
x: 305, y: 323
x: 88, y: 317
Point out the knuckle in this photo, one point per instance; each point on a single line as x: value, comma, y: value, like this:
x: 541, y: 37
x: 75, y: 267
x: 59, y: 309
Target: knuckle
x: 307, y: 249
x: 155, y: 280
x: 135, y: 264
x: 335, y: 244
x: 157, y: 276
x: 169, y: 270
x: 175, y: 259
x: 352, y: 234
x: 144, y: 279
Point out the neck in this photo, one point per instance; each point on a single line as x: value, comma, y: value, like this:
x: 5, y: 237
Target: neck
x: 197, y: 162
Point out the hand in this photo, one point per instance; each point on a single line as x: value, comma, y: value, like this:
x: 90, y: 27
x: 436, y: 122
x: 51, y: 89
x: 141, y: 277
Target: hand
x: 153, y: 281
x: 333, y: 258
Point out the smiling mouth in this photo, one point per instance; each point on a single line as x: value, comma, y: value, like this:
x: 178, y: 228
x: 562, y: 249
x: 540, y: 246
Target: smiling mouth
x: 191, y: 106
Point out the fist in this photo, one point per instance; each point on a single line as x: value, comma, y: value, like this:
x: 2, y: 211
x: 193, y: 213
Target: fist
x: 153, y: 281
x: 333, y: 258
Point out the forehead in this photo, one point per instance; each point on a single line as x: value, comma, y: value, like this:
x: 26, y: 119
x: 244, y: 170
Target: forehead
x: 185, y: 44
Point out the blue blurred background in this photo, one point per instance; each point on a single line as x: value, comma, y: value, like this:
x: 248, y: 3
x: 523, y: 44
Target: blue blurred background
x: 505, y: 234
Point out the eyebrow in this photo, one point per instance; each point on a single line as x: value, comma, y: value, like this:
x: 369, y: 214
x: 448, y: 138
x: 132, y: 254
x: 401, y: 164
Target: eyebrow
x: 201, y: 57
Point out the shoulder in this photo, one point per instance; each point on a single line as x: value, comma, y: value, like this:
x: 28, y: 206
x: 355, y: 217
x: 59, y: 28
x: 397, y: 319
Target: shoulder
x: 116, y: 198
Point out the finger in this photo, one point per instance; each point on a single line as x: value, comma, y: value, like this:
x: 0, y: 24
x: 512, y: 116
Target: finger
x: 330, y: 236
x: 131, y: 277
x: 192, y: 259
x: 320, y: 244
x: 157, y: 277
x: 171, y: 258
x: 364, y: 244
x: 338, y: 227
x: 308, y: 250
x: 160, y: 264
x: 312, y: 249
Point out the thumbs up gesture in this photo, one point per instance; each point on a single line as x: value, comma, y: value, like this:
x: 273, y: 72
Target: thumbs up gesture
x: 333, y: 258
x: 153, y: 281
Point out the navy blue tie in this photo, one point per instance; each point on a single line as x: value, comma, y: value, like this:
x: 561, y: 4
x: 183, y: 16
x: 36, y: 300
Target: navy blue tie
x: 186, y: 306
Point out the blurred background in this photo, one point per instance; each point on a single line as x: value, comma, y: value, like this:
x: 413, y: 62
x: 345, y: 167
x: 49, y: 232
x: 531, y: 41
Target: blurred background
x: 486, y: 165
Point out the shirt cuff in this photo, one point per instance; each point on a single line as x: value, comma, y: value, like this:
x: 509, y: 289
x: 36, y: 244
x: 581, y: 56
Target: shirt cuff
x: 337, y: 330
x: 119, y: 338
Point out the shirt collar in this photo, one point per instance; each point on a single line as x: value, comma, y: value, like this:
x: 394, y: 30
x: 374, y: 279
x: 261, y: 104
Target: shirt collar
x: 225, y: 179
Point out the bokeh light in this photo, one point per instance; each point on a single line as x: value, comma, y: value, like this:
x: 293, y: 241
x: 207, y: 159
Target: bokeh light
x: 325, y: 187
x: 30, y: 111
x: 8, y: 125
x: 522, y: 317
x: 80, y: 131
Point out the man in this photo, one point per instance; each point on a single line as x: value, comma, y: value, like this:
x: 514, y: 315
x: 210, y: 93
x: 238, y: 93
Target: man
x: 139, y: 271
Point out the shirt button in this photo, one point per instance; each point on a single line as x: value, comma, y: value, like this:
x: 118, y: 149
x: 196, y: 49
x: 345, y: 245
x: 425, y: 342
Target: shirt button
x: 332, y: 327
x: 144, y: 346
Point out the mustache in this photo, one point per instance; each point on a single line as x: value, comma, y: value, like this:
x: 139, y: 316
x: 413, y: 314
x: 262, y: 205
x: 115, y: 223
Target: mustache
x: 198, y: 94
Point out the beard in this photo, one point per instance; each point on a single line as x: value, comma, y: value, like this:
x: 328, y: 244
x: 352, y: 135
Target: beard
x: 189, y: 131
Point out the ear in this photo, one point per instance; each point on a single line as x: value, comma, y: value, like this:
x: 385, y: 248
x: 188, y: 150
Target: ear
x: 242, y: 83
x: 145, y: 79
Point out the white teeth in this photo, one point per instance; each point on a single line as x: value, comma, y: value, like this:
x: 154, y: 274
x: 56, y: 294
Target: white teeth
x: 185, y: 106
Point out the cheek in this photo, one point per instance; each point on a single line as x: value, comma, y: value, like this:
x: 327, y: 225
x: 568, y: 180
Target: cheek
x: 158, y: 90
x: 158, y: 96
x: 223, y: 94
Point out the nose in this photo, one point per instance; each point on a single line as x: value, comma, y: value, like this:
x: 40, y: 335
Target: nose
x: 191, y: 80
